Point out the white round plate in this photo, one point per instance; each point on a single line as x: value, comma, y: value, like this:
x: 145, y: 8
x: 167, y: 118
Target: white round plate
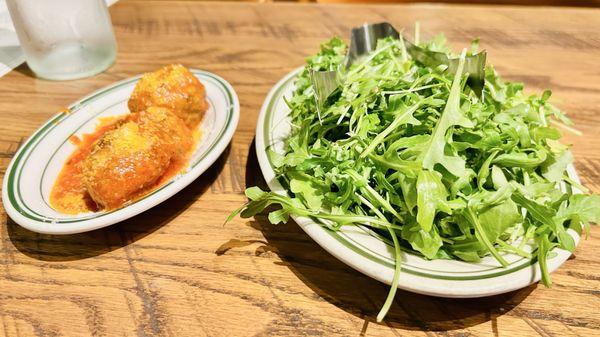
x: 36, y: 165
x: 371, y: 254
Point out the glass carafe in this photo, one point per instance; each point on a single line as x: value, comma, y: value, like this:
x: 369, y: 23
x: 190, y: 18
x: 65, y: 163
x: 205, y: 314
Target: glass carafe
x: 64, y: 39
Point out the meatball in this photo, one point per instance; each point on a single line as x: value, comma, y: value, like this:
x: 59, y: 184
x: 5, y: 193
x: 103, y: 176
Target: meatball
x: 128, y: 160
x: 173, y: 87
x: 166, y: 128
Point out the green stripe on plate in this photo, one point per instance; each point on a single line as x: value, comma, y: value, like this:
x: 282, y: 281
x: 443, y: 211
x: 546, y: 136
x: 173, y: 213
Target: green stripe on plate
x: 14, y: 175
x: 363, y: 250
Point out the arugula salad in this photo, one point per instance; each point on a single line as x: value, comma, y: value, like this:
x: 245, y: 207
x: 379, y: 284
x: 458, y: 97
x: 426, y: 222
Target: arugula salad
x: 414, y: 153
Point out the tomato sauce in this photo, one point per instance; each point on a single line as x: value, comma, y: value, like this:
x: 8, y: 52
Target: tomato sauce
x: 69, y: 195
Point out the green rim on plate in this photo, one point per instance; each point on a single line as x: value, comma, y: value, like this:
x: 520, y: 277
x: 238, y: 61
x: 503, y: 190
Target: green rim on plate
x: 366, y: 252
x: 14, y: 175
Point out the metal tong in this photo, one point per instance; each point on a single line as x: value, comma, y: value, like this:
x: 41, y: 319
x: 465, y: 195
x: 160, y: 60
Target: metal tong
x: 363, y: 40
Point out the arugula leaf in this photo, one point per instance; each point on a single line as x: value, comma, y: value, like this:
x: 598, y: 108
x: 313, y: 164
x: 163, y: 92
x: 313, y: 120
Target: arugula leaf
x: 311, y: 193
x: 426, y: 242
x: 452, y: 115
x: 554, y: 169
x: 499, y: 218
x: 411, y: 152
x: 404, y: 115
x: 431, y: 196
x: 545, y: 215
x: 582, y: 210
x: 544, y: 247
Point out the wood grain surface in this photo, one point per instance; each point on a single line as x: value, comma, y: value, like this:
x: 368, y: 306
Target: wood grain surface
x: 175, y: 270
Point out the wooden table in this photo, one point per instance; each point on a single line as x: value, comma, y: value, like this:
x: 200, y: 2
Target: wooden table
x: 176, y: 271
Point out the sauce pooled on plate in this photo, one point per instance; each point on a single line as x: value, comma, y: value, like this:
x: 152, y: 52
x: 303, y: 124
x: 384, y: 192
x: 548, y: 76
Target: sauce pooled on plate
x: 128, y: 156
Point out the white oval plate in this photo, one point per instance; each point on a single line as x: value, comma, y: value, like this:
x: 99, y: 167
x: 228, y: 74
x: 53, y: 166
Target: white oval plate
x: 35, y: 166
x: 371, y: 254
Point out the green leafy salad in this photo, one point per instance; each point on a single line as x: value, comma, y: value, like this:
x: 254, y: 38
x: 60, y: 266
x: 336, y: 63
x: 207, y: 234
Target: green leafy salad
x: 412, y: 152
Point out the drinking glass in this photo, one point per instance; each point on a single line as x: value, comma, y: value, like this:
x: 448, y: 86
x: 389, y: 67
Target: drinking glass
x: 64, y: 39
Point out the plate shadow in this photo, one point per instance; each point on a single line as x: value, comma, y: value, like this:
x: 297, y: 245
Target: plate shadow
x: 100, y: 241
x: 362, y: 296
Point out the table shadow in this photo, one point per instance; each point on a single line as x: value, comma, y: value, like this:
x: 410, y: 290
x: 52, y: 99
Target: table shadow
x: 100, y: 241
x: 363, y: 296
